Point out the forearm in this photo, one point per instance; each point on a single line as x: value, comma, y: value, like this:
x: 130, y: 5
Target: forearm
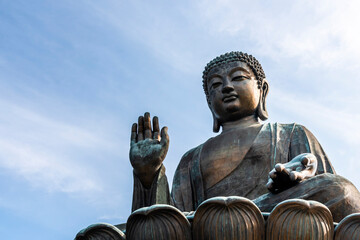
x: 156, y: 193
x: 147, y: 176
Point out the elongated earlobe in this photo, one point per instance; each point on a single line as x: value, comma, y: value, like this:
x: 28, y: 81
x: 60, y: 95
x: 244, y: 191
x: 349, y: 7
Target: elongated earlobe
x: 216, y: 123
x: 261, y: 111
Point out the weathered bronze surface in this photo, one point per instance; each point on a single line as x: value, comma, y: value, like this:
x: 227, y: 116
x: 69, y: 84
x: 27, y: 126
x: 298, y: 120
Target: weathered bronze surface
x: 100, y: 231
x: 228, y: 218
x: 348, y: 228
x: 300, y: 219
x: 161, y: 222
x: 266, y: 162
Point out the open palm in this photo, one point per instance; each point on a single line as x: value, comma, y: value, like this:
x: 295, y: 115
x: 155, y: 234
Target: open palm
x: 148, y: 148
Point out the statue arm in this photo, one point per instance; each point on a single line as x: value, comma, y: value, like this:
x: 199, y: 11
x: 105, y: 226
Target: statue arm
x: 182, y: 190
x: 157, y: 193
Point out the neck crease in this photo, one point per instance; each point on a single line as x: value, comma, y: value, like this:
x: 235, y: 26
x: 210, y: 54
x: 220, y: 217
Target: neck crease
x: 241, y: 123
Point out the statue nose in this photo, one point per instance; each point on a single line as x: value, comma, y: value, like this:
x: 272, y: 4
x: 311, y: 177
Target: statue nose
x: 227, y: 87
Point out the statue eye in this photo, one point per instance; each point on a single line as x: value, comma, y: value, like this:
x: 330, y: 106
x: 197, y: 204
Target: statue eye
x: 239, y: 78
x: 215, y: 84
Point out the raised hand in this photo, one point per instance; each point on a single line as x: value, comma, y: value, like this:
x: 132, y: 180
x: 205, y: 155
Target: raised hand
x: 148, y: 148
x: 284, y: 176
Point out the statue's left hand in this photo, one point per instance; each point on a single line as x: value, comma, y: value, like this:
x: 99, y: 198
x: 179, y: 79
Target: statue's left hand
x: 284, y: 176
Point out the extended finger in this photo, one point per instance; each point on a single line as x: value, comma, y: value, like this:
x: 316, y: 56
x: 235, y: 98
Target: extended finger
x: 296, y: 176
x: 287, y: 171
x: 282, y: 169
x: 147, y: 125
x: 293, y: 176
x: 140, y: 136
x: 279, y: 167
x: 270, y: 185
x: 272, y: 174
x: 164, y: 136
x: 133, y: 133
x: 156, y: 134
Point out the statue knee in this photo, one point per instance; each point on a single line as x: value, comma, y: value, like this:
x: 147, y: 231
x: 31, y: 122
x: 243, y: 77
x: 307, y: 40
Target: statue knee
x: 336, y: 184
x: 338, y: 194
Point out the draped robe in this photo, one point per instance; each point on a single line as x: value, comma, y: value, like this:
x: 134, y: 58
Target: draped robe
x: 274, y: 143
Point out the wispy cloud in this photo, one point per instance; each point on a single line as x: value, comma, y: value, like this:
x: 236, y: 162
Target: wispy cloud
x: 318, y: 33
x: 42, y: 150
x: 315, y: 33
x: 44, y: 170
x: 156, y: 27
x: 342, y: 124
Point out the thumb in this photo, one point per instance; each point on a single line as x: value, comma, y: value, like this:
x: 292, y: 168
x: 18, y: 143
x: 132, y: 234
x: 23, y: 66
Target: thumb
x: 164, y: 136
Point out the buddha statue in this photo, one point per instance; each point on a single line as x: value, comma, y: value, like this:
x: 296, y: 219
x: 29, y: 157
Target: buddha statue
x: 264, y: 162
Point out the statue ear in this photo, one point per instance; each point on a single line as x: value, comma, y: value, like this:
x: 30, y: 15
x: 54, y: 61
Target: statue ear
x: 262, y: 113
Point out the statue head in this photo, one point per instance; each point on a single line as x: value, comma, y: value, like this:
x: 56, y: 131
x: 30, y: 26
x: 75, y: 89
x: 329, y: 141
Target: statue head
x: 235, y: 87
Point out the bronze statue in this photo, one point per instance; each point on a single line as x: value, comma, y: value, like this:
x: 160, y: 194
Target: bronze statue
x: 248, y: 158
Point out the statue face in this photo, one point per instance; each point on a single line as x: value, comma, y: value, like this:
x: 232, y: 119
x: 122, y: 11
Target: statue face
x: 233, y: 91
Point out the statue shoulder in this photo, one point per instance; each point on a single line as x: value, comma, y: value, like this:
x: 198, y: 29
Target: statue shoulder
x: 187, y: 160
x: 298, y: 129
x: 302, y: 131
x: 188, y: 157
x: 287, y: 127
x: 289, y: 133
x: 283, y: 126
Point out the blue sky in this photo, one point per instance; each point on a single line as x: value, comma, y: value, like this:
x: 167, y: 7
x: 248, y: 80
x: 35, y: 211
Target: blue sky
x: 74, y: 76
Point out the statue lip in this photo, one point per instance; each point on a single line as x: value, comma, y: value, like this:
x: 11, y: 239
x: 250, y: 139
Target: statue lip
x: 229, y: 98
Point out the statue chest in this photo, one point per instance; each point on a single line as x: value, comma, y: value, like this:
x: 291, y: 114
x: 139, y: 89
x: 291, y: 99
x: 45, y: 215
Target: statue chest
x: 221, y: 155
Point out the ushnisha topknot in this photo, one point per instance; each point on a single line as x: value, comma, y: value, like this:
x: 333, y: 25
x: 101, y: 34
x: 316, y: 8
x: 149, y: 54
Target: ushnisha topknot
x: 234, y: 57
